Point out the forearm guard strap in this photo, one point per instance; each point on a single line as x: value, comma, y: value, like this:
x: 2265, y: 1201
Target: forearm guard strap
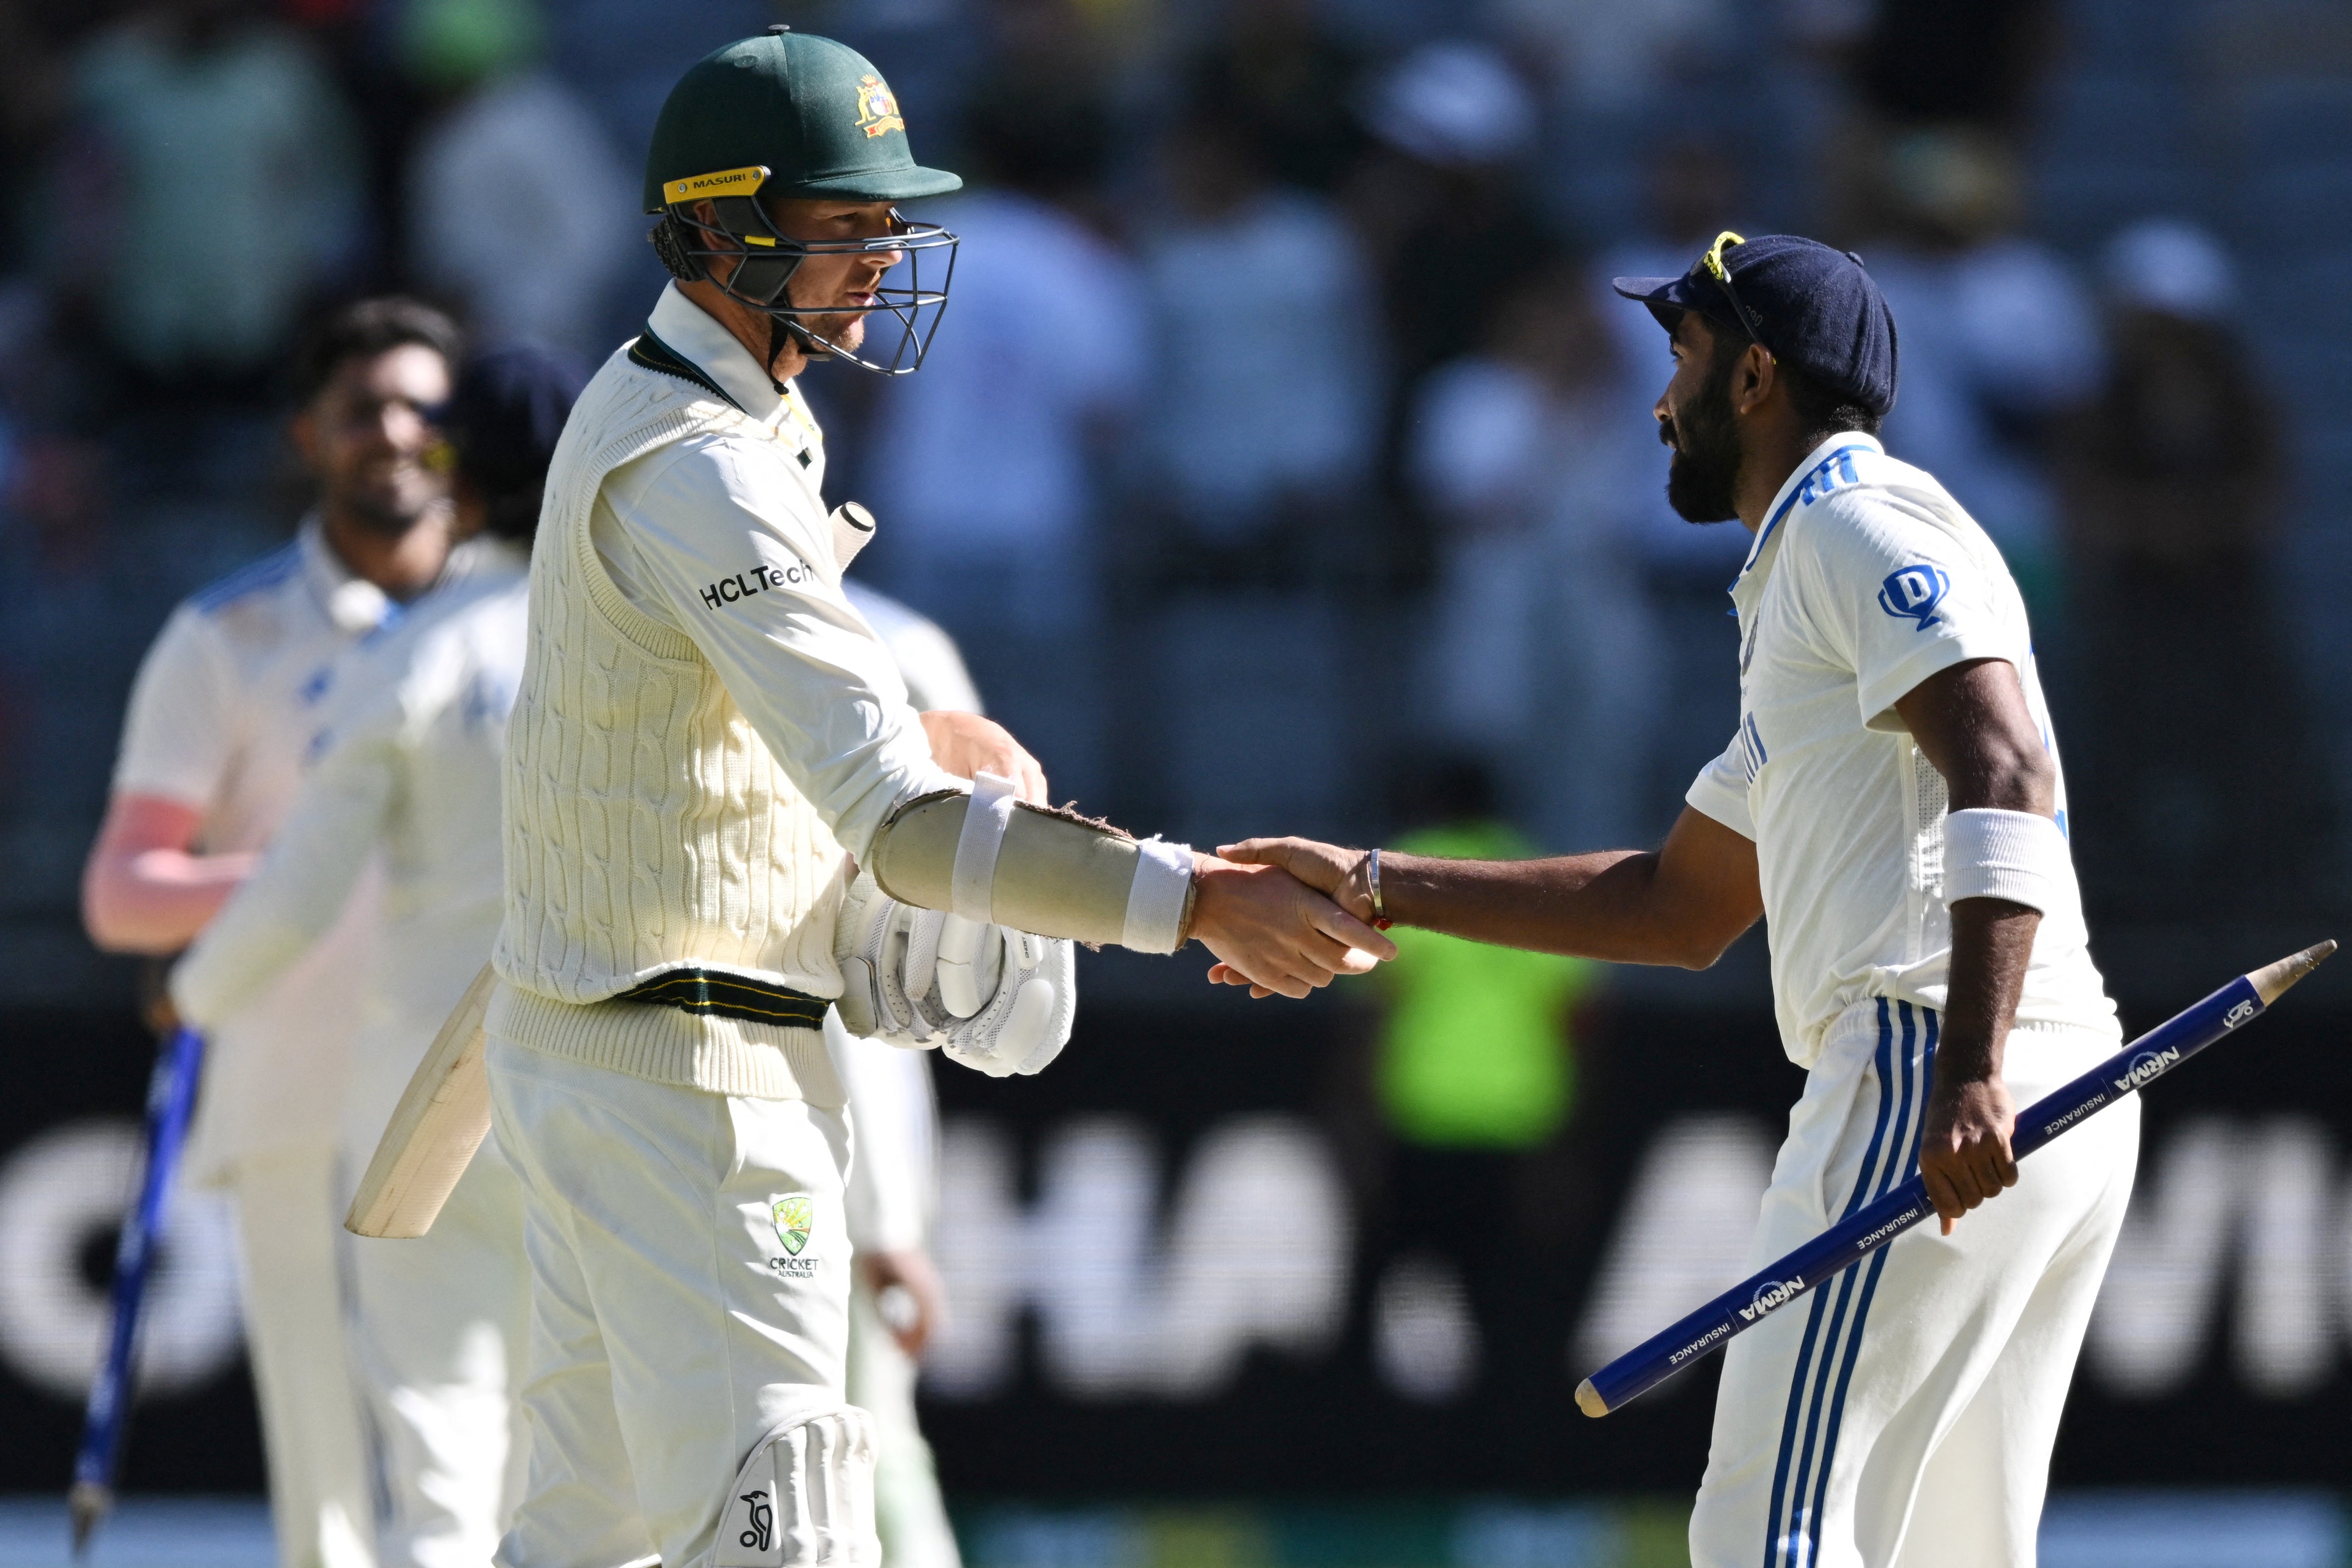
x: 988, y: 856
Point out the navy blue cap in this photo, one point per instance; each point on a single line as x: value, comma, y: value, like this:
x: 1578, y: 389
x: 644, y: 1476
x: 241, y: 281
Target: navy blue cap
x: 505, y: 414
x: 1814, y: 308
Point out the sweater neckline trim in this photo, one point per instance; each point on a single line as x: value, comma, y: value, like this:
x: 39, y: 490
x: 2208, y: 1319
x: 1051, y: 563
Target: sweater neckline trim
x: 650, y: 351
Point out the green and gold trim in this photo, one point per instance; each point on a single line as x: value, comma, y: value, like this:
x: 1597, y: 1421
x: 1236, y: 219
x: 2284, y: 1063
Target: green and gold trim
x: 705, y: 991
x: 655, y: 354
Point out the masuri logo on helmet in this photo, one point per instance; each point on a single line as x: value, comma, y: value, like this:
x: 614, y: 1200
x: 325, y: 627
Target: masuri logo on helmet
x: 726, y: 183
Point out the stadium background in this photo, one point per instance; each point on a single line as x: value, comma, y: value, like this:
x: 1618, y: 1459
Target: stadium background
x: 1204, y: 1312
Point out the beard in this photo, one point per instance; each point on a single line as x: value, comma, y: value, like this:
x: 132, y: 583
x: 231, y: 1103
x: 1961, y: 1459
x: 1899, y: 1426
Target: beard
x: 819, y: 331
x: 386, y: 513
x: 844, y: 330
x: 1703, y: 480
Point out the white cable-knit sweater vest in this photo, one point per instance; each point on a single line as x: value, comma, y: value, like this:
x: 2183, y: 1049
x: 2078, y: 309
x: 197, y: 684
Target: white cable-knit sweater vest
x: 648, y: 827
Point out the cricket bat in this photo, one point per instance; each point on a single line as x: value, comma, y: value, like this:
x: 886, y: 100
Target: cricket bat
x: 442, y: 1118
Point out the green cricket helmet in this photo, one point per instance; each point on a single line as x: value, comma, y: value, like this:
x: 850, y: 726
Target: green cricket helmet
x: 783, y: 116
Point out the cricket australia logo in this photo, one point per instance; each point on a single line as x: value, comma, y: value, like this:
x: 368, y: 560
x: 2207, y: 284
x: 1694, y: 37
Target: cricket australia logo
x: 1911, y: 593
x: 1770, y: 1294
x: 762, y: 1521
x: 796, y: 1216
x: 877, y: 107
x: 2145, y: 1066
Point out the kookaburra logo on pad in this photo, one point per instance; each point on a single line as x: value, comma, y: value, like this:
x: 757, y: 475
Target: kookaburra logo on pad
x: 761, y: 1520
x: 747, y: 1536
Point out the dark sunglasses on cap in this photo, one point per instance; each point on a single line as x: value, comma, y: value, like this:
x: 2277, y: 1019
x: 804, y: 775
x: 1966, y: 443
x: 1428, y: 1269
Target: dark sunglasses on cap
x: 1712, y: 264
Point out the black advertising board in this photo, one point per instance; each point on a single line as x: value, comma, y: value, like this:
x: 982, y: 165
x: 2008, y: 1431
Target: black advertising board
x: 1185, y: 1263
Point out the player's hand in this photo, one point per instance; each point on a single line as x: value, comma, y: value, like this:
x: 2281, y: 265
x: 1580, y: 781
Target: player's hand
x: 906, y: 1293
x: 1964, y: 1152
x: 1329, y: 869
x: 967, y: 745
x: 154, y: 987
x: 1272, y: 933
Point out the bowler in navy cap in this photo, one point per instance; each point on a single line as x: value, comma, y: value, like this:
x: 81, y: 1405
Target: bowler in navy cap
x: 1891, y: 805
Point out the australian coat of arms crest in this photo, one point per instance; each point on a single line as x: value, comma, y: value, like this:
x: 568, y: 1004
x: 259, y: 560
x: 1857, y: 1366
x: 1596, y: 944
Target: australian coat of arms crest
x: 877, y: 107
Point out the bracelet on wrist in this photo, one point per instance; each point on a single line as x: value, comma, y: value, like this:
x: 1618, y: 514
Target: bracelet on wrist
x: 1381, y: 921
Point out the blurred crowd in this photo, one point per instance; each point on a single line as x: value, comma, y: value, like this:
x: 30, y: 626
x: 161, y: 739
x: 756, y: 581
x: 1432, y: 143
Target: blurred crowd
x: 1281, y: 393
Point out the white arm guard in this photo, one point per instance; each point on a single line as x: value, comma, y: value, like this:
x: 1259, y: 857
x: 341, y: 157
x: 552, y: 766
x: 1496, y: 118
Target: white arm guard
x: 993, y: 858
x: 996, y: 1000
x: 2018, y: 856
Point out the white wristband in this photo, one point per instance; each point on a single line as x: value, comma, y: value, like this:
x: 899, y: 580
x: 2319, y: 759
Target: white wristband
x: 984, y: 821
x: 1155, y: 899
x: 2018, y: 856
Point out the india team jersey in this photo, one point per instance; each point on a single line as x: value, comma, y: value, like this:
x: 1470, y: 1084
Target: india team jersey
x: 225, y: 705
x: 1865, y: 579
x: 408, y: 763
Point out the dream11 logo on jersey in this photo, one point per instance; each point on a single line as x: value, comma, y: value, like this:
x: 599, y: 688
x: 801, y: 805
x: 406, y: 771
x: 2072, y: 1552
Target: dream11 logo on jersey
x: 1911, y: 593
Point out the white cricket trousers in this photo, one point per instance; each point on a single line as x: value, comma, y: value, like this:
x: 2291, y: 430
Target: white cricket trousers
x: 1902, y: 1415
x: 287, y: 1229
x: 689, y: 1305
x: 438, y: 1329
x: 909, y: 1513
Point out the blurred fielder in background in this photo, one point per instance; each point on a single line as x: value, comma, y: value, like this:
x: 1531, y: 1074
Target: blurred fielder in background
x: 409, y: 763
x: 896, y: 1299
x: 225, y: 708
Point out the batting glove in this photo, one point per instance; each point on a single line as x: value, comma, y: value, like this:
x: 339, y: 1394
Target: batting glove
x: 999, y: 1001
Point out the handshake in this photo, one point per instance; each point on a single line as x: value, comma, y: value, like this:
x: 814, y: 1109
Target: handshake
x: 1002, y: 1002
x: 1280, y: 915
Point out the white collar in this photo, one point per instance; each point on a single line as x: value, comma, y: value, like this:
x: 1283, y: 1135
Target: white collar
x: 694, y: 333
x: 322, y: 569
x: 1805, y: 481
x: 355, y: 605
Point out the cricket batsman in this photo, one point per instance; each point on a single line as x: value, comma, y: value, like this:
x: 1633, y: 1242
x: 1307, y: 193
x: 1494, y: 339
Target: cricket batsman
x: 722, y: 817
x: 1892, y: 805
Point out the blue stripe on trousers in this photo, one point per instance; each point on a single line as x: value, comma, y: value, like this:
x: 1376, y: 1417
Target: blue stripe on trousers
x: 1878, y: 1262
x: 1852, y: 1291
x: 1804, y: 1520
x: 1790, y: 1422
